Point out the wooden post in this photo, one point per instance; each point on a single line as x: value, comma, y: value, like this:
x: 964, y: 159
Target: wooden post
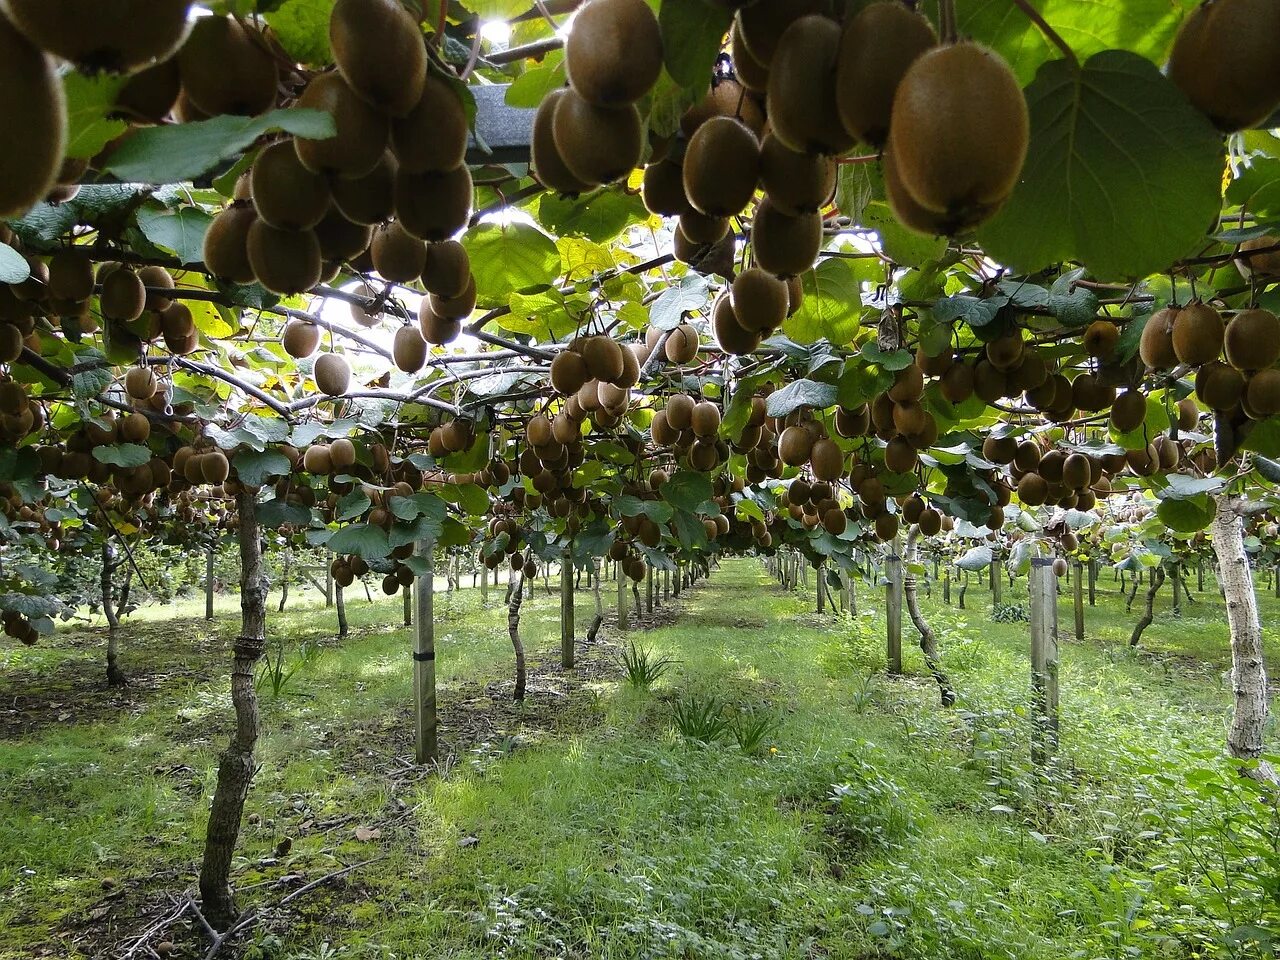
x: 850, y: 596
x: 820, y: 578
x: 1093, y: 581
x: 946, y: 586
x: 994, y: 573
x: 328, y: 583
x: 1078, y: 587
x: 566, y: 609
x: 484, y: 585
x: 1044, y: 655
x: 424, y: 661
x: 666, y: 585
x: 893, y: 609
x: 208, y: 580
x: 1177, y: 588
x: 622, y: 600
x: 408, y: 605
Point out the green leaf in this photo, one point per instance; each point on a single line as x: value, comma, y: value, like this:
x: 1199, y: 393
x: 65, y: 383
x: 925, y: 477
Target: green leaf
x: 832, y: 306
x: 690, y: 293
x: 692, y: 33
x: 365, y: 541
x: 410, y: 508
x: 692, y: 534
x: 302, y: 27
x: 90, y: 101
x: 900, y: 244
x: 354, y: 504
x: 687, y: 490
x: 1122, y: 174
x: 253, y: 467
x: 90, y: 383
x: 181, y: 231
x: 1074, y: 307
x: 470, y: 497
x: 517, y: 258
x: 123, y: 455
x: 857, y: 184
x: 276, y: 513
x: 1186, y: 515
x: 599, y: 216
x: 184, y: 151
x: 13, y: 265
x: 529, y: 89
x: 801, y: 393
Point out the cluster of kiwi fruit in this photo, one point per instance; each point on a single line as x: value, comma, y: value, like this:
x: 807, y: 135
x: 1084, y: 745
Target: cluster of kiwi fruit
x: 690, y: 428
x: 1223, y: 59
x: 595, y: 374
x: 591, y: 132
x: 505, y: 540
x: 19, y: 628
x: 554, y: 448
x: 20, y: 415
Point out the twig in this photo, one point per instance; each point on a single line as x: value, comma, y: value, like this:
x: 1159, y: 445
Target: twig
x: 327, y: 877
x: 1050, y: 34
x: 141, y: 942
x: 247, y: 920
x: 129, y: 553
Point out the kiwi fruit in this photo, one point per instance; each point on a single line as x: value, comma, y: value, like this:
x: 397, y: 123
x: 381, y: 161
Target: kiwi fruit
x: 332, y: 374
x: 783, y: 245
x: 732, y: 337
x: 568, y: 372
x: 342, y: 241
x: 300, y: 338
x: 751, y: 73
x: 548, y: 165
x: 286, y: 194
x: 286, y: 262
x: 802, y: 93
x: 1156, y: 345
x: 701, y: 228
x: 369, y: 199
x: 602, y: 357
x: 380, y: 52
x: 726, y: 98
x: 116, y: 37
x: 149, y: 95
x: 613, y: 54
x: 1188, y: 414
x: 989, y: 382
x: 434, y: 206
x: 952, y: 104
x: 1033, y: 490
x: 140, y: 383
x: 135, y: 428
x: 1263, y: 393
x: 71, y: 274
x: 876, y: 49
x: 215, y: 467
x: 1076, y: 473
x: 1253, y: 340
x: 1128, y: 411
x: 662, y: 189
x: 435, y: 328
x: 1197, y: 334
x: 177, y: 323
x: 409, y: 350
x: 1264, y: 264
x: 797, y: 183
x: 226, y: 243
x: 227, y: 68
x: 760, y: 25
x: 760, y: 300
x: 361, y: 132
x: 1224, y: 60
x: 957, y: 383
x: 1100, y: 339
x: 631, y: 354
x: 682, y: 344
x: 908, y: 384
x: 705, y: 419
x: 721, y: 167
x: 433, y: 137
x: 597, y: 144
x: 398, y: 256
x: 826, y: 460
x: 31, y: 101
x: 1219, y: 386
x: 795, y: 445
x: 447, y: 272
x: 123, y: 297
x: 456, y: 308
x: 317, y: 460
x: 156, y: 278
x: 899, y: 455
x: 679, y: 412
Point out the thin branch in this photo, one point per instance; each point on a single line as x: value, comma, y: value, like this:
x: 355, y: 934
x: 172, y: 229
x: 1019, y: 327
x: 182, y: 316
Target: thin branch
x: 1050, y: 34
x: 329, y: 876
x: 538, y: 48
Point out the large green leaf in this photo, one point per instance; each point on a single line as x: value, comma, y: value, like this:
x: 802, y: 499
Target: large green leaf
x: 687, y: 490
x: 302, y: 27
x: 181, y: 231
x: 832, y: 306
x: 184, y: 151
x: 598, y: 216
x: 692, y: 31
x: 365, y: 541
x: 1122, y: 174
x: 90, y: 101
x: 801, y: 393
x: 1187, y: 515
x: 516, y: 258
x: 901, y: 244
x: 13, y: 265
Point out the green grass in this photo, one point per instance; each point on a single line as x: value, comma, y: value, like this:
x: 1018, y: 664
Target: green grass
x: 584, y: 825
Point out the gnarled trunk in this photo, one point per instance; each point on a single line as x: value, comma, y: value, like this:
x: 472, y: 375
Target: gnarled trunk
x: 513, y: 628
x: 1157, y: 580
x: 1248, y: 674
x: 928, y: 639
x: 115, y: 676
x: 341, y: 604
x: 236, y: 765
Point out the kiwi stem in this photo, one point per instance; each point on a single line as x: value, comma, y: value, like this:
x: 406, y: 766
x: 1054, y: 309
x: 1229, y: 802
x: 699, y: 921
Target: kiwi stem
x: 442, y: 21
x: 1050, y: 34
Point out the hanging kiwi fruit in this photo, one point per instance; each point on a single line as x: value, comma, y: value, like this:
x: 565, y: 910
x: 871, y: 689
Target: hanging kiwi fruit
x: 31, y: 101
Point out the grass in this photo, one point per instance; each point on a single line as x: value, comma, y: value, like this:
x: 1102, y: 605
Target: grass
x: 864, y: 821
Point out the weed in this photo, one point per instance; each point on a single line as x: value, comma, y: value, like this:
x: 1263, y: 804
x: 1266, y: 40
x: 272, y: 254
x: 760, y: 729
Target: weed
x: 700, y: 719
x: 642, y: 668
x: 274, y: 675
x: 752, y: 726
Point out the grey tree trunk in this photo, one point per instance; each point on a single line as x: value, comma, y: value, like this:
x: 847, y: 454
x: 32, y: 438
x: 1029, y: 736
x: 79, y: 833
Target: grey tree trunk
x: 236, y: 766
x: 209, y: 556
x: 426, y: 723
x: 115, y: 676
x: 513, y: 628
x: 928, y: 639
x: 284, y: 579
x: 341, y: 604
x: 1157, y: 580
x: 1248, y: 674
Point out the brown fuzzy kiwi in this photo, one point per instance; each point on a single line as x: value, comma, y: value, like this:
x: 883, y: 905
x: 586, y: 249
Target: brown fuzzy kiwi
x: 286, y: 262
x: 118, y: 37
x: 952, y: 104
x: 989, y: 382
x: 613, y: 54
x: 795, y: 182
x: 227, y: 68
x: 908, y: 384
x: 886, y: 526
x: 1188, y: 414
x: 662, y: 433
x: 802, y: 93
x: 1253, y: 340
x: 1033, y: 490
x: 957, y: 383
x: 332, y: 374
x: 447, y: 272
x: 826, y: 460
x: 900, y: 455
x: 380, y: 52
x: 150, y: 94
x: 662, y: 189
x: 135, y: 428
x: 877, y: 48
x: 226, y: 253
x: 1005, y: 352
x: 1027, y: 456
x: 568, y: 372
x: 1091, y: 394
x: 369, y: 199
x: 762, y: 24
x: 1100, y: 339
x: 1263, y: 264
x: 732, y: 337
x: 433, y: 137
x: 760, y: 300
x: 1197, y: 334
x: 285, y: 193
x: 1224, y: 61
x: 398, y: 256
x: 31, y: 101
x: 301, y: 338
x: 177, y: 323
x: 1262, y: 396
x: 597, y: 144
x: 156, y: 278
x: 547, y: 163
x: 700, y: 228
x: 140, y: 383
x: 705, y: 420
x: 751, y: 73
x: 456, y: 308
x: 909, y: 417
x: 342, y: 241
x: 934, y: 366
x: 682, y: 344
x: 1219, y: 386
x: 680, y: 411
x: 123, y: 296
x: 361, y: 133
x: 1076, y: 474
x: 1129, y: 411
x: 795, y: 444
x: 1000, y: 449
x: 603, y: 358
x: 215, y: 467
x: 409, y: 350
x: 1156, y: 345
x: 434, y: 206
x: 434, y: 328
x: 853, y: 423
x: 726, y: 98
x: 71, y: 274
x: 316, y: 460
x: 721, y: 167
x: 782, y: 245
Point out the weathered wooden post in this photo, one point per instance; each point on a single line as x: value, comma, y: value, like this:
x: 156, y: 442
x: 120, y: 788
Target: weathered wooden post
x: 819, y: 575
x: 208, y: 580
x: 622, y: 599
x: 328, y: 584
x: 1044, y: 656
x: 993, y: 573
x: 424, y: 661
x: 1079, y: 600
x: 484, y: 585
x: 893, y: 608
x: 566, y: 608
x: 946, y: 586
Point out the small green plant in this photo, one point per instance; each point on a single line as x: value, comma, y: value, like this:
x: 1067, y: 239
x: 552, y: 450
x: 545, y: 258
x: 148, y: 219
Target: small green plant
x: 752, y: 726
x: 864, y: 693
x: 642, y: 667
x: 1010, y: 613
x: 869, y: 810
x: 700, y: 719
x: 275, y: 674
